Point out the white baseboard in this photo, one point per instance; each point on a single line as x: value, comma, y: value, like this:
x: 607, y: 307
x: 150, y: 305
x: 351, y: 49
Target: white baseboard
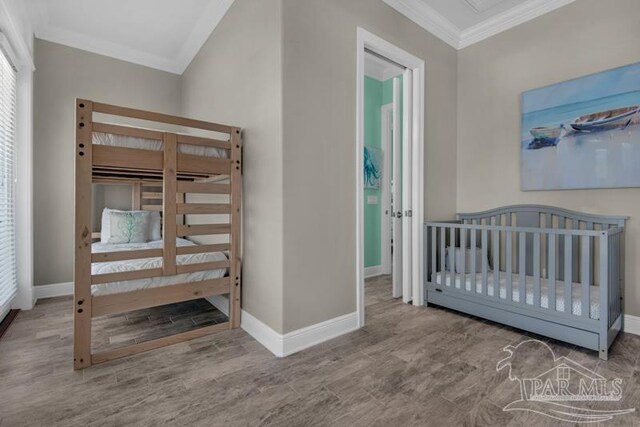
x: 632, y: 324
x: 52, y: 291
x: 373, y: 271
x: 300, y: 339
x: 272, y: 340
x: 220, y: 302
x: 292, y: 342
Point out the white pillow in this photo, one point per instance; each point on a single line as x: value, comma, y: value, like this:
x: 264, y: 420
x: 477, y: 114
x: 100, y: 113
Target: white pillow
x: 129, y: 227
x: 154, y: 225
x: 467, y: 260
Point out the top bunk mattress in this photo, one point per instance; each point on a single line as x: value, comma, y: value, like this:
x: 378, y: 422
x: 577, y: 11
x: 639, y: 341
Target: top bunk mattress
x: 148, y: 263
x: 114, y: 140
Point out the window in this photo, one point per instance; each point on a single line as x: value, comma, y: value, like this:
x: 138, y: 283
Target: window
x: 8, y: 281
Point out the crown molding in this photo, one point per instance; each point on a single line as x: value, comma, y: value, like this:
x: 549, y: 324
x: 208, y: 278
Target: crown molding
x: 207, y: 23
x: 105, y: 48
x: 429, y: 19
x: 435, y: 23
x: 199, y: 34
x: 508, y: 19
x: 15, y: 37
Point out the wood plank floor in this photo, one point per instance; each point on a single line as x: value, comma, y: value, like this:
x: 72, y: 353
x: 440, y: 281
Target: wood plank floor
x: 143, y: 325
x: 408, y: 366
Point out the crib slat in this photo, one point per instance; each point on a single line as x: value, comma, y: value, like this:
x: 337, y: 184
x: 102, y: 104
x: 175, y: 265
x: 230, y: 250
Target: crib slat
x: 568, y: 274
x: 590, y: 226
x: 463, y: 250
x: 522, y: 267
x: 585, y: 266
x: 559, y: 248
x: 452, y: 256
x: 551, y: 272
x: 495, y: 240
x: 576, y: 250
x: 544, y: 261
x: 434, y: 267
x: 536, y: 269
x: 443, y: 270
x: 473, y: 261
x: 509, y: 260
x: 485, y: 261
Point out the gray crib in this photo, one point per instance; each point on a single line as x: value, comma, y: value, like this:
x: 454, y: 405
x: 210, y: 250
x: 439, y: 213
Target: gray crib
x: 546, y: 270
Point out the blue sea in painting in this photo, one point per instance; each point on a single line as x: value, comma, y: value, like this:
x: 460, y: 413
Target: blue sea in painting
x: 593, y: 156
x: 565, y: 114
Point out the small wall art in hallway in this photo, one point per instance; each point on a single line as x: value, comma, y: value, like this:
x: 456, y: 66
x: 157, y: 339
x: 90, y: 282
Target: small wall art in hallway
x: 372, y: 167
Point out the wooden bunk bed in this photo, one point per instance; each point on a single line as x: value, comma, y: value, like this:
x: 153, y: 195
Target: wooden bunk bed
x: 175, y: 174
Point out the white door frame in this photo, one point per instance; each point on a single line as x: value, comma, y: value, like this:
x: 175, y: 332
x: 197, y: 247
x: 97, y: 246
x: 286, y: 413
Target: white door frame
x: 416, y: 66
x: 385, y: 196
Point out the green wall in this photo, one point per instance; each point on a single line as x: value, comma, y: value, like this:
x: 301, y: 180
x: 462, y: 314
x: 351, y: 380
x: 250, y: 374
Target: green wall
x: 376, y: 94
x: 373, y: 90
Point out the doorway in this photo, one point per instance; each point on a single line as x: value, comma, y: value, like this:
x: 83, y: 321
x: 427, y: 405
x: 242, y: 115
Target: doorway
x: 398, y: 198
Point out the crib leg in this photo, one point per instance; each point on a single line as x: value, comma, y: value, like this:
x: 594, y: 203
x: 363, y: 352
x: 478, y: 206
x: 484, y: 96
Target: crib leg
x: 604, y: 349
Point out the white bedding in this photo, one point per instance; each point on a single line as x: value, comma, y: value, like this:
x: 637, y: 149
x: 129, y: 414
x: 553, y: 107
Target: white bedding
x: 576, y: 309
x: 146, y: 263
x: 154, y: 145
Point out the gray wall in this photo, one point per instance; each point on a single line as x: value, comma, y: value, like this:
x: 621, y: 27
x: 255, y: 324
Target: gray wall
x: 584, y: 37
x: 319, y: 111
x: 109, y: 196
x: 236, y: 78
x: 62, y: 74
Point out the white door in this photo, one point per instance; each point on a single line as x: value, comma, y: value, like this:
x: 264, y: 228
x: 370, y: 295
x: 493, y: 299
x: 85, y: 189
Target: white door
x: 386, y: 117
x: 407, y: 195
x: 396, y: 194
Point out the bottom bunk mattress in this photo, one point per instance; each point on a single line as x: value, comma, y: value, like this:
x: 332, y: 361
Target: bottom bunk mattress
x: 576, y: 309
x: 148, y: 263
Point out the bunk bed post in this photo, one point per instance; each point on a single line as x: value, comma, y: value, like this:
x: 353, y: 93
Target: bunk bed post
x: 235, y: 243
x: 169, y: 208
x: 136, y: 196
x: 83, y: 229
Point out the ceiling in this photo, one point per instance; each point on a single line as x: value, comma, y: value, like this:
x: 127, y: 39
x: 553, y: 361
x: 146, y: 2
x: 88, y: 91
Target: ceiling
x: 163, y: 34
x: 167, y: 34
x: 462, y: 23
x: 379, y: 68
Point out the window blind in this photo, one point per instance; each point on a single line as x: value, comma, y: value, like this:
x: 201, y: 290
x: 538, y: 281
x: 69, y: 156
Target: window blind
x: 8, y: 281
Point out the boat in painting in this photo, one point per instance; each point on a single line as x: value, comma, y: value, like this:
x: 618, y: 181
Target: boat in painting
x: 606, y: 120
x: 550, y: 135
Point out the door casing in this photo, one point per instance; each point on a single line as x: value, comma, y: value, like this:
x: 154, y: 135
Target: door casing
x: 413, y: 131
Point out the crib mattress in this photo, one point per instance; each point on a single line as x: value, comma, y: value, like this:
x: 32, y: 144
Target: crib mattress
x: 147, y: 263
x: 576, y: 309
x: 113, y: 140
